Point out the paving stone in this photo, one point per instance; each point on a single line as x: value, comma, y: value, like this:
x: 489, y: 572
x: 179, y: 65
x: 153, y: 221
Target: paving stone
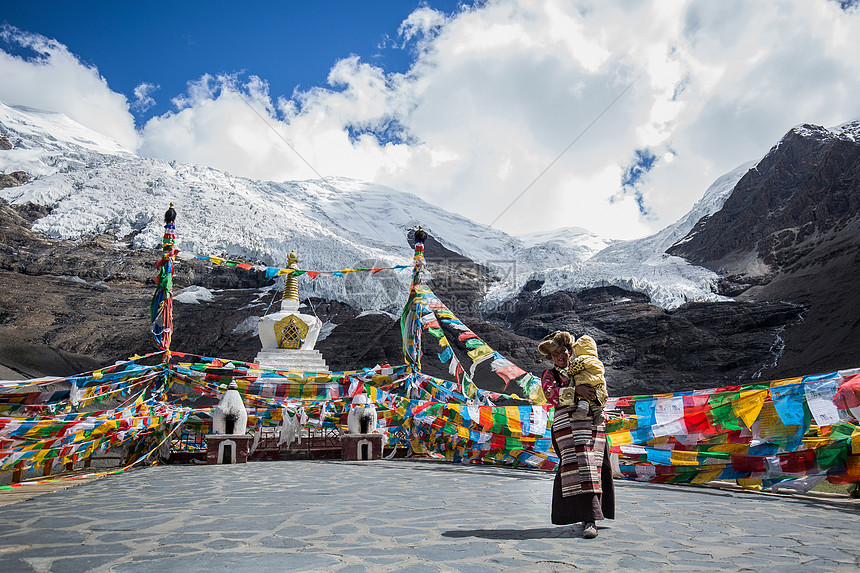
x: 394, y: 531
x: 382, y: 560
x: 282, y: 543
x: 509, y: 563
x: 821, y: 567
x: 293, y: 530
x: 763, y: 562
x: 473, y: 568
x: 632, y: 562
x: 237, y: 524
x: 422, y: 568
x: 15, y: 564
x: 185, y: 538
x: 671, y: 545
x: 690, y: 556
x: 456, y: 551
x: 559, y: 557
x: 114, y: 536
x: 828, y: 553
x: 43, y: 537
x: 58, y: 522
x: 131, y: 524
x: 533, y: 545
x: 79, y: 564
x: 693, y: 565
x: 71, y: 550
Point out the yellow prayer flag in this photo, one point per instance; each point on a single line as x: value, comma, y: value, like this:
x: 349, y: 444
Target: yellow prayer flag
x: 682, y: 458
x: 750, y: 483
x: 512, y: 413
x: 749, y: 405
x: 785, y: 381
x: 619, y: 438
x: 730, y: 448
x: 707, y: 476
x: 537, y: 396
x: 216, y: 260
x: 477, y: 353
x: 98, y: 374
x: 855, y: 441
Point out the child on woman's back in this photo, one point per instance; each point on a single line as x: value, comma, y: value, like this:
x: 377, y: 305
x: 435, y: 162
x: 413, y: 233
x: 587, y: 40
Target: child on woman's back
x: 587, y: 369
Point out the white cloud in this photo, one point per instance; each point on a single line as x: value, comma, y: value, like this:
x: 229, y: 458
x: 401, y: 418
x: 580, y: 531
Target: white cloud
x: 143, y: 98
x: 54, y: 79
x: 422, y: 23
x: 499, y: 90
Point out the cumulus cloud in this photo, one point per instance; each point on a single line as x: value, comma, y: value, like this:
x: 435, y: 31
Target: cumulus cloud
x: 651, y: 100
x: 52, y: 78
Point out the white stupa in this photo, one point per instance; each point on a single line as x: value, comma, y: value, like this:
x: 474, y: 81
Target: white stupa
x: 288, y: 336
x: 230, y: 416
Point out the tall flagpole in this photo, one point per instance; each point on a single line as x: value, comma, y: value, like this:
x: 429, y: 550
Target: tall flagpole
x: 161, y: 308
x: 410, y: 324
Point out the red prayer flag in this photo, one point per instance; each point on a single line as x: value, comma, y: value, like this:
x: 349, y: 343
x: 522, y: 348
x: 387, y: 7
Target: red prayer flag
x: 742, y: 463
x: 797, y: 462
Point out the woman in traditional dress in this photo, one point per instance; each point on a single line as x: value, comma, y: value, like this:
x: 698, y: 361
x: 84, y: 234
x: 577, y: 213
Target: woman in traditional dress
x: 583, y: 490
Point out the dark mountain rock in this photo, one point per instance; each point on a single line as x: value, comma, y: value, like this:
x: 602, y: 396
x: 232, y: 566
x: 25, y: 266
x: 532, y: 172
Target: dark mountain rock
x: 647, y: 349
x: 13, y: 179
x: 790, y: 231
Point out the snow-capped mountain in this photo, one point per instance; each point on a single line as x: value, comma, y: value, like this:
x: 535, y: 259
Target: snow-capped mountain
x: 795, y: 211
x: 94, y: 185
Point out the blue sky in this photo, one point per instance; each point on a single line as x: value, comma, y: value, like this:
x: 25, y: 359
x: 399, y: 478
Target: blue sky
x: 610, y: 115
x: 290, y: 44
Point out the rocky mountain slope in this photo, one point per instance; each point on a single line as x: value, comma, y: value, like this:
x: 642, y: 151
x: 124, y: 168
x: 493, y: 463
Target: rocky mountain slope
x: 791, y: 231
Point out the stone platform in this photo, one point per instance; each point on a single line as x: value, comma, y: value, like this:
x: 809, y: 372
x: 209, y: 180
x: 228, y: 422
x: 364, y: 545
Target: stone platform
x: 305, y: 360
x: 410, y: 516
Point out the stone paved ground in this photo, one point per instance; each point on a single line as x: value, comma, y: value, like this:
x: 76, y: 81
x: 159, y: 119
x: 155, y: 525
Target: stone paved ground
x: 408, y: 516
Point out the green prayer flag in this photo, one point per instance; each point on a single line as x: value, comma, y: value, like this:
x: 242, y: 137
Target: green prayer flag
x: 722, y: 412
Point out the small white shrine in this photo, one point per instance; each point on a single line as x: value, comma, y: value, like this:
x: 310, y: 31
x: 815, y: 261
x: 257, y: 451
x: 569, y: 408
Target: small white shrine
x: 361, y: 442
x: 230, y: 416
x: 288, y: 336
x: 228, y: 443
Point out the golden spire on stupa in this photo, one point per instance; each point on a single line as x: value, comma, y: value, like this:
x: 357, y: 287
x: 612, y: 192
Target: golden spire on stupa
x: 291, y: 287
